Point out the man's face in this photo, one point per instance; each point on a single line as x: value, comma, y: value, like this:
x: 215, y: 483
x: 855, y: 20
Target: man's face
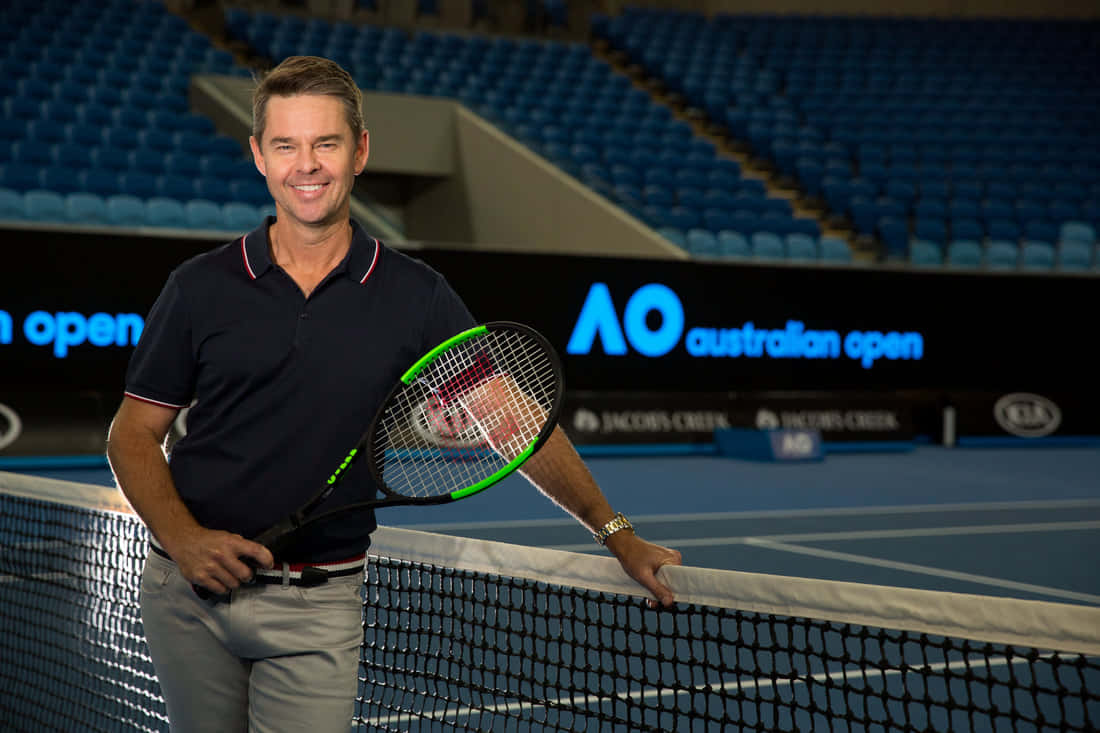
x: 310, y: 158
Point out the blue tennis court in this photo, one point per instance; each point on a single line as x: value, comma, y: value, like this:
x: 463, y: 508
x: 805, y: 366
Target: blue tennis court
x: 1023, y: 523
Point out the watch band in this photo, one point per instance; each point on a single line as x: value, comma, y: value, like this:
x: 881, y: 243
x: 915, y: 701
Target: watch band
x: 617, y: 523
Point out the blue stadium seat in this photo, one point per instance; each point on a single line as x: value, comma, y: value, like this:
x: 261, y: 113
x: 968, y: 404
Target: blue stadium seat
x: 241, y: 217
x: 11, y: 205
x: 136, y: 183
x: 1003, y: 229
x: 1077, y: 231
x: 1041, y: 230
x: 177, y: 187
x: 127, y: 211
x: 107, y: 160
x: 702, y: 242
x: 895, y: 236
x: 1074, y: 255
x: 28, y: 152
x: 931, y: 230
x: 733, y: 244
x: 968, y: 229
x: 1002, y: 255
x: 182, y: 164
x: 801, y: 247
x: 964, y: 253
x: 146, y: 160
x: 62, y: 180
x: 674, y: 235
x: 1036, y: 255
x: 203, y: 214
x: 86, y: 208
x: 925, y: 253
x: 834, y: 250
x: 767, y: 246
x: 41, y: 205
x: 124, y: 138
x: 165, y: 212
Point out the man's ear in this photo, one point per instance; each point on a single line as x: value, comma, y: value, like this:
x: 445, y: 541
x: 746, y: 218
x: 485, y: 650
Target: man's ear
x: 362, y: 152
x: 257, y: 156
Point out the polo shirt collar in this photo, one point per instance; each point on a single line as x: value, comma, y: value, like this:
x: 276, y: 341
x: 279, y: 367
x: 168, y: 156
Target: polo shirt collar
x: 359, y: 264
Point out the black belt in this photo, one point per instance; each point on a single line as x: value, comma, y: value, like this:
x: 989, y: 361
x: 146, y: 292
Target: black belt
x: 300, y: 574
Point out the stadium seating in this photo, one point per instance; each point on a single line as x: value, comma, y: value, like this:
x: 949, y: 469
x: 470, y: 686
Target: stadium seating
x: 910, y: 130
x: 94, y: 100
x: 963, y: 142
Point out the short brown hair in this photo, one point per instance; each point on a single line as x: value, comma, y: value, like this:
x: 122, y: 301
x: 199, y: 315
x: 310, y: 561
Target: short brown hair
x: 307, y: 75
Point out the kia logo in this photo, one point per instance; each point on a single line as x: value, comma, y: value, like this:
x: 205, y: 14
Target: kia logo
x: 1027, y: 415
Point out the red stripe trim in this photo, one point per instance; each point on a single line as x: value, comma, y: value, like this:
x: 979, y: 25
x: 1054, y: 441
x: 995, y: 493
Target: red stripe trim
x: 373, y: 262
x: 297, y: 567
x: 244, y: 254
x: 150, y: 401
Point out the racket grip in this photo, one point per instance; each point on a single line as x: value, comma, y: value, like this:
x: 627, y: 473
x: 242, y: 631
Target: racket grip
x: 206, y: 594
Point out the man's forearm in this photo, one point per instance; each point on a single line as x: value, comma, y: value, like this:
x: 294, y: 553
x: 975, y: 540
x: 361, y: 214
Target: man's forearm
x: 560, y: 473
x: 141, y: 471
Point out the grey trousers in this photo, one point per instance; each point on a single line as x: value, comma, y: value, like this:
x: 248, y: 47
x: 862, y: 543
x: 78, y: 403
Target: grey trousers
x: 272, y: 659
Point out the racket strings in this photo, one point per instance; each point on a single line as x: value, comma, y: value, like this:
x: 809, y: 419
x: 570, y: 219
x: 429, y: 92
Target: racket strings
x: 469, y: 413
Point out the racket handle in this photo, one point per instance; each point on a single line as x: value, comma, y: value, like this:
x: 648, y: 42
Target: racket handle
x: 206, y: 594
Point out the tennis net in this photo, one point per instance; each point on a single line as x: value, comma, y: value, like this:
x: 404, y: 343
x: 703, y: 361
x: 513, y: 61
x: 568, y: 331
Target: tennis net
x: 464, y: 634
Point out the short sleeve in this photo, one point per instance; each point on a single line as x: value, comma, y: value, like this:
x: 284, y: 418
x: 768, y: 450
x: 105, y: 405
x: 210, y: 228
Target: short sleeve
x: 162, y: 367
x: 446, y: 316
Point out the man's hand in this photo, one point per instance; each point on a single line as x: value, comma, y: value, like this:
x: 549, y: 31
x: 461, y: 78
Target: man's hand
x: 641, y: 560
x: 216, y: 560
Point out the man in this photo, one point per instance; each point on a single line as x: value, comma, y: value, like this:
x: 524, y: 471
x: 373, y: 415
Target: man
x: 286, y: 342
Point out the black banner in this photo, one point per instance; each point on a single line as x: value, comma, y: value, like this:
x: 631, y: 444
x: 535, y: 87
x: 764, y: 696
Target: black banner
x: 53, y: 423
x: 615, y: 418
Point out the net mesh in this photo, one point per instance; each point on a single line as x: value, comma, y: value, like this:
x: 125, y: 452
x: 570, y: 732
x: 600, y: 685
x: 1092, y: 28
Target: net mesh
x: 524, y: 639
x: 467, y: 414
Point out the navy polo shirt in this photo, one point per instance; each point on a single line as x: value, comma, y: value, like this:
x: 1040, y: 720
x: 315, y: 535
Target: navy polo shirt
x: 283, y: 386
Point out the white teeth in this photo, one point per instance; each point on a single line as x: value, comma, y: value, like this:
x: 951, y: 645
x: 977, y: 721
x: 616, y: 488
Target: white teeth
x: 312, y: 187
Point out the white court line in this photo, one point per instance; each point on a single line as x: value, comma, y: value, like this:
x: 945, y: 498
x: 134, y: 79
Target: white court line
x: 972, y: 529
x: 925, y: 570
x: 742, y: 683
x: 1031, y: 504
x: 876, y: 534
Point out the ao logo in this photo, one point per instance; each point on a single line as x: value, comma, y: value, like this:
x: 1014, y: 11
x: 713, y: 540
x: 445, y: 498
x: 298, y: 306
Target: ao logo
x: 797, y: 443
x: 598, y: 318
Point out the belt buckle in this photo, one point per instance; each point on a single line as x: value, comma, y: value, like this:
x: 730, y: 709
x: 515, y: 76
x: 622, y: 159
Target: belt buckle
x: 312, y: 576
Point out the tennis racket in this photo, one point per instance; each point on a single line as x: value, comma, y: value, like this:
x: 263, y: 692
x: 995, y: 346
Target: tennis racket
x: 462, y: 418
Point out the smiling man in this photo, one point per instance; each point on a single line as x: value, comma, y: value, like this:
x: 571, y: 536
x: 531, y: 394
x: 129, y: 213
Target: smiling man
x: 285, y: 343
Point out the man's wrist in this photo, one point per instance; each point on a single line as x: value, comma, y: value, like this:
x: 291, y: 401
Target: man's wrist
x: 618, y: 523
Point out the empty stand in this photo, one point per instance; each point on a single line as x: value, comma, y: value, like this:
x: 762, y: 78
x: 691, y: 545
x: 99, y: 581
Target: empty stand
x: 912, y: 132
x: 95, y: 101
